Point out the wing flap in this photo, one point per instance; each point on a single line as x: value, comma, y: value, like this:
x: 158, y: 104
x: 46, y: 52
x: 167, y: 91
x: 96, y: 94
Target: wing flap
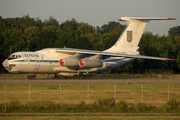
x: 91, y: 52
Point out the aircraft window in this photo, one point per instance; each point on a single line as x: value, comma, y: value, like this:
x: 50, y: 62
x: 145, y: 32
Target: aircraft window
x: 14, y: 56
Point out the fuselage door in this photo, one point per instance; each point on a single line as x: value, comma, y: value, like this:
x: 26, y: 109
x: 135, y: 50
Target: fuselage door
x: 37, y: 64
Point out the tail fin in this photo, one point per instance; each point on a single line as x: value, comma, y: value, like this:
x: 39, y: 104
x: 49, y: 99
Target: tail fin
x: 131, y: 36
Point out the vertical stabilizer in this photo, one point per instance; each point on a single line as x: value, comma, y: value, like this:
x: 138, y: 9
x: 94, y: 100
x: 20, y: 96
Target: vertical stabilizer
x: 131, y: 36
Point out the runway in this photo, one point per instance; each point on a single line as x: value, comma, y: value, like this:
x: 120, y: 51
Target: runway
x: 96, y: 81
x: 89, y: 113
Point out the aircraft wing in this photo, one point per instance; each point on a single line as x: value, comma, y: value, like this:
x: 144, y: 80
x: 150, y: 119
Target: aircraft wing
x: 91, y: 52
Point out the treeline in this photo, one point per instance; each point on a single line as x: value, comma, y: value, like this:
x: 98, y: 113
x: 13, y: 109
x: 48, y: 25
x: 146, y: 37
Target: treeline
x: 31, y: 34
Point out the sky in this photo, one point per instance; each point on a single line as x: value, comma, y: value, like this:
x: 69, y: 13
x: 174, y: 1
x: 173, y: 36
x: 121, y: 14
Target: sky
x: 97, y: 12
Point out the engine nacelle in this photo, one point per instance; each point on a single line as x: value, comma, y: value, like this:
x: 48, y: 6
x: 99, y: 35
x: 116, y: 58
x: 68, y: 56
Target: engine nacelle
x: 69, y: 62
x: 89, y: 63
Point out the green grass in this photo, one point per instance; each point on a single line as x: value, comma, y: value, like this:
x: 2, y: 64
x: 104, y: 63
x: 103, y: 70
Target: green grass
x: 90, y: 117
x: 101, y: 105
x: 153, y: 94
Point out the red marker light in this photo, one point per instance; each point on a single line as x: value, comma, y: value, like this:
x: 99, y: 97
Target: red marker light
x: 172, y: 59
x: 81, y: 63
x: 171, y: 18
x: 61, y: 62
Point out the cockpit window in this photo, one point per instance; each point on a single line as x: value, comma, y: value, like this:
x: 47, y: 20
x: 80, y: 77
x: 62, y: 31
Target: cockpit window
x: 14, y: 56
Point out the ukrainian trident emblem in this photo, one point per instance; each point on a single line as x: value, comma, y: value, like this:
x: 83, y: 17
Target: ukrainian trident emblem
x: 129, y: 36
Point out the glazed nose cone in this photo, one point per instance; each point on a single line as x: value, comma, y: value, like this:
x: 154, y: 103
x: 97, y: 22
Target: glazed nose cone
x: 5, y: 64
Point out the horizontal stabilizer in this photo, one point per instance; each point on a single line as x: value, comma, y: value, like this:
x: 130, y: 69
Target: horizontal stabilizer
x: 144, y: 19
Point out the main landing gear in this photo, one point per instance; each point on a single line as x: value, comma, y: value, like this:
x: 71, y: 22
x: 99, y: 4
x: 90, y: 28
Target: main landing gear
x: 31, y: 77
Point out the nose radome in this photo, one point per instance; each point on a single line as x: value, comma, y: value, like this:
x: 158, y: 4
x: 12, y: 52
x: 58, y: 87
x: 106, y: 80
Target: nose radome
x: 5, y: 63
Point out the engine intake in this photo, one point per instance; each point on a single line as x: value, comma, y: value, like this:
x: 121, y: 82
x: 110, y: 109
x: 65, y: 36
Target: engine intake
x: 89, y: 63
x: 69, y: 62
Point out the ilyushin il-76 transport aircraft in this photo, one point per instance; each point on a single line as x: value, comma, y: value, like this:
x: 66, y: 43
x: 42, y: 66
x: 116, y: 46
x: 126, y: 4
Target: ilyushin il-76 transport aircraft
x: 70, y: 62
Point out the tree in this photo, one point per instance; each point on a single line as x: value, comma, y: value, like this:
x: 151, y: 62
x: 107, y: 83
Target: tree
x: 174, y: 31
x: 2, y: 25
x: 174, y: 48
x: 51, y: 22
x: 14, y: 39
x: 1, y: 49
x: 178, y: 59
x: 24, y: 22
x: 150, y: 45
x: 97, y: 43
x: 173, y: 41
x: 70, y: 25
x: 86, y: 30
x: 45, y: 39
x: 38, y: 22
x: 83, y: 43
x: 107, y: 28
x: 111, y: 38
x: 30, y: 34
x: 64, y: 39
x: 7, y: 24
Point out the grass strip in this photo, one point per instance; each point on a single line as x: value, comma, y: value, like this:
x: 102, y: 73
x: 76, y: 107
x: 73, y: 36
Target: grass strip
x: 102, y: 105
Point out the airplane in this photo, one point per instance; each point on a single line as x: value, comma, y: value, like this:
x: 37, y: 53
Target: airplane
x: 71, y: 62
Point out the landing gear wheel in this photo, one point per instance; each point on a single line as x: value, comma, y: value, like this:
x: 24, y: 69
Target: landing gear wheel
x: 31, y: 77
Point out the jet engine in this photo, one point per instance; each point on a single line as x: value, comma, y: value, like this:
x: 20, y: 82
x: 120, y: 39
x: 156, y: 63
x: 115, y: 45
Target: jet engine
x: 89, y: 63
x: 69, y: 62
